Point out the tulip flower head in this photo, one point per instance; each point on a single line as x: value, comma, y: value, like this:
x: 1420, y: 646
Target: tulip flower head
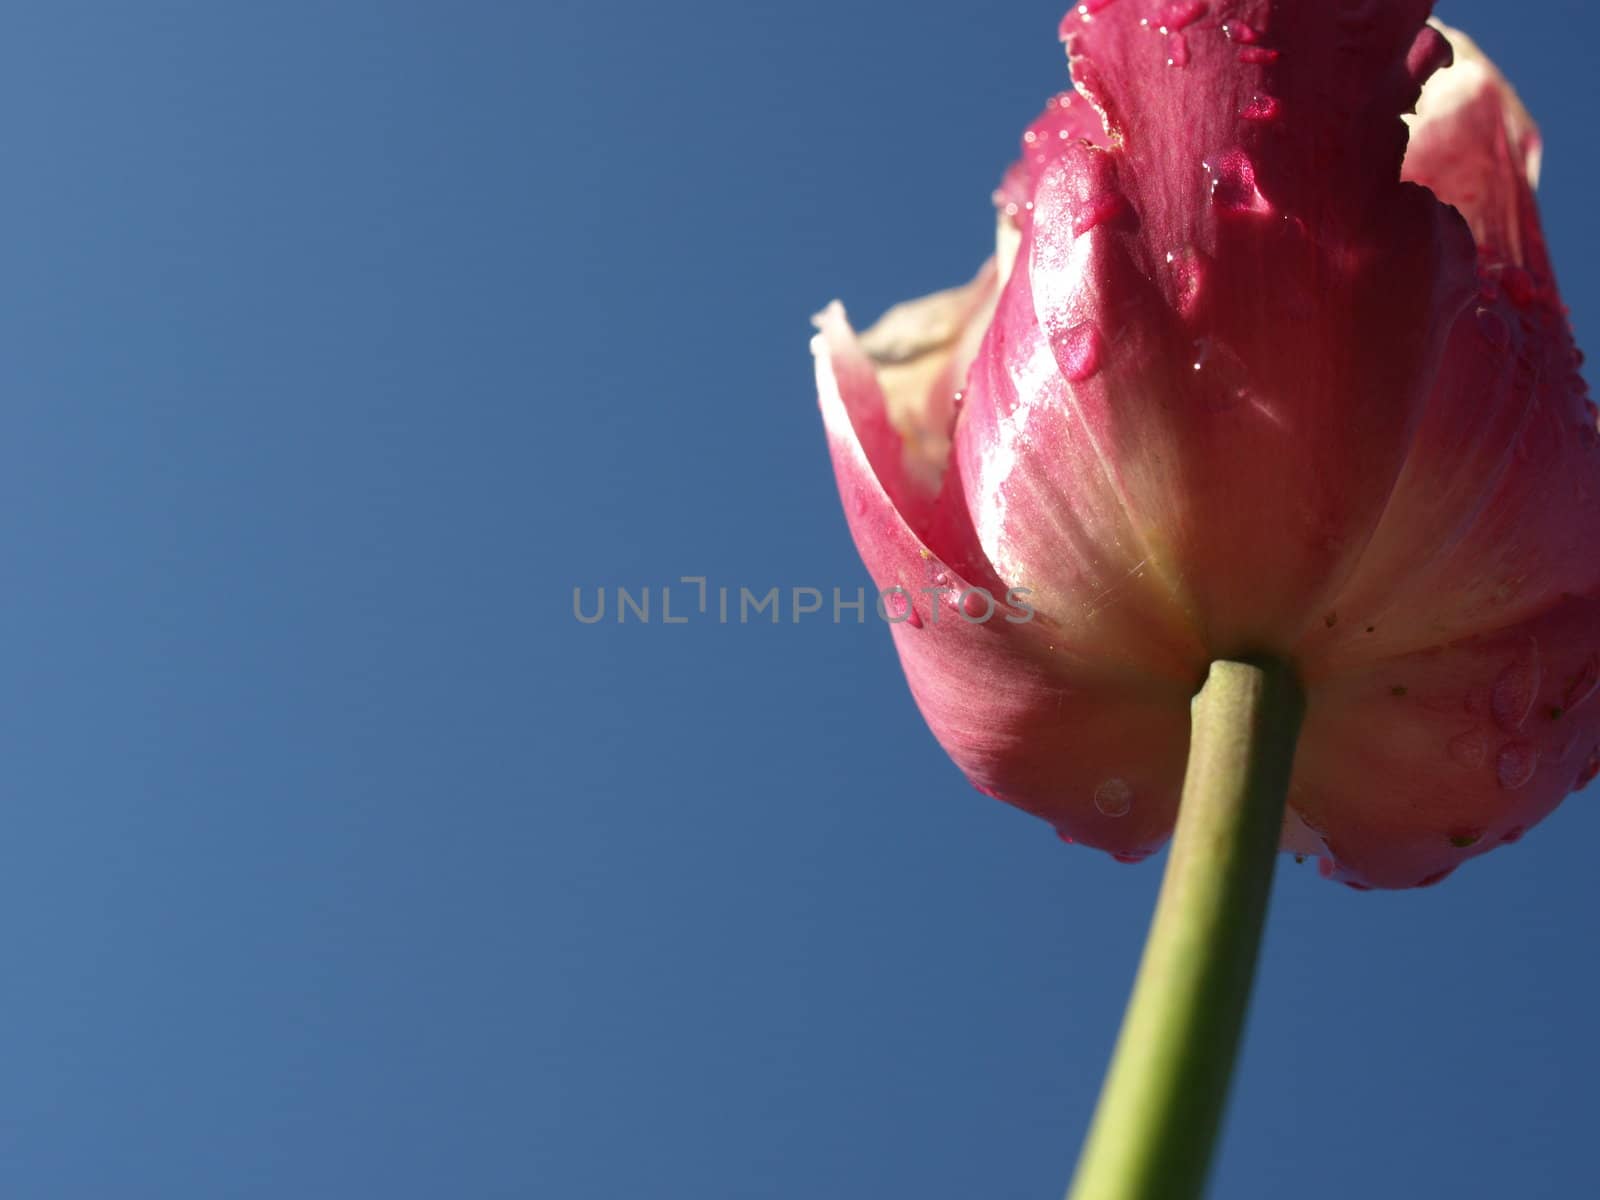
x: 1269, y: 360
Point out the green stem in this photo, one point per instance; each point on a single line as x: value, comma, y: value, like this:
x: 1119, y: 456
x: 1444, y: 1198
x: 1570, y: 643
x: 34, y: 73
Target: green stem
x: 1162, y: 1101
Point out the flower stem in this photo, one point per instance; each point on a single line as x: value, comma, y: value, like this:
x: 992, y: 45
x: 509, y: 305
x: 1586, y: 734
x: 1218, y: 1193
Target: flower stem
x: 1162, y: 1101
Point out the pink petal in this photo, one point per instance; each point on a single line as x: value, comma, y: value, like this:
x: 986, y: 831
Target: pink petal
x: 1494, y: 518
x: 1243, y: 301
x: 1411, y: 765
x: 1051, y: 726
x: 1048, y: 506
x: 1067, y: 117
x: 1475, y: 147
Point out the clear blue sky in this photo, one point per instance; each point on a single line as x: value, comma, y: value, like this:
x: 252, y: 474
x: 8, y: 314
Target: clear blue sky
x: 341, y: 341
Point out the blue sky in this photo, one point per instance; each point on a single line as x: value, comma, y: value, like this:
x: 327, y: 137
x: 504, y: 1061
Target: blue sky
x: 343, y: 341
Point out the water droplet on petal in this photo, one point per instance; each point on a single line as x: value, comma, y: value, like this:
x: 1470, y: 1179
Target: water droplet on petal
x: 1494, y: 329
x: 1102, y: 210
x: 1187, y: 270
x: 1437, y: 877
x: 899, y: 609
x: 1462, y: 838
x: 1114, y: 797
x: 1511, y: 699
x: 1469, y: 749
x: 1515, y: 764
x: 1238, y: 31
x: 1181, y: 13
x: 1233, y: 183
x: 1519, y: 286
x: 1512, y: 835
x: 1131, y: 857
x: 1078, y: 350
x: 1261, y: 108
x: 1177, y: 50
x: 1257, y: 54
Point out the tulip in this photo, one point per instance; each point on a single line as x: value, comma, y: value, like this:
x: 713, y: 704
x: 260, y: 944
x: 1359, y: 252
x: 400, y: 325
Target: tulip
x: 1236, y: 385
x: 1268, y: 383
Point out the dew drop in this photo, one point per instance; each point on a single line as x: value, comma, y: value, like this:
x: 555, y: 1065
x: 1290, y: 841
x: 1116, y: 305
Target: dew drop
x: 977, y: 604
x: 1078, y: 350
x: 899, y: 609
x: 1114, y: 797
x: 1511, y: 699
x: 1177, y: 50
x: 1131, y: 857
x: 1437, y: 877
x: 1238, y: 31
x: 1494, y: 329
x: 1261, y: 107
x: 1233, y: 183
x: 1515, y: 764
x: 1469, y: 749
x: 1181, y: 13
x: 1512, y: 835
x: 1519, y: 286
x: 1186, y: 269
x: 1257, y: 54
x: 1462, y: 838
x: 1102, y: 210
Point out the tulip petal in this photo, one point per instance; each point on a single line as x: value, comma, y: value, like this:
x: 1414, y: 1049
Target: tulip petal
x: 1263, y: 285
x: 1494, y: 518
x: 1048, y: 507
x: 1474, y: 146
x: 1056, y: 728
x: 1413, y: 764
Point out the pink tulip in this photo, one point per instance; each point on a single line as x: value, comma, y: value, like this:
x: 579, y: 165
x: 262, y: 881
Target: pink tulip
x: 1248, y: 375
